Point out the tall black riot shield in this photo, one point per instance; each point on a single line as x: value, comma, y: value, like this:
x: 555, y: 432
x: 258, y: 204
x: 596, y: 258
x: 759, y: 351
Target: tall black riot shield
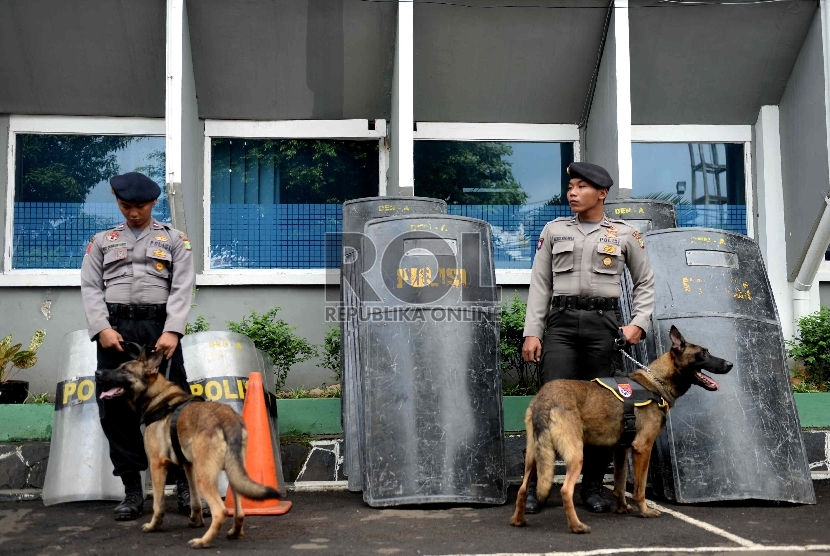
x: 744, y: 440
x: 644, y: 215
x: 429, y: 353
x: 355, y: 215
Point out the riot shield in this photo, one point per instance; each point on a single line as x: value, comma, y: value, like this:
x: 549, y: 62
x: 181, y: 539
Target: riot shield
x: 429, y: 352
x: 218, y: 365
x: 355, y: 215
x: 744, y: 440
x: 644, y: 215
x: 79, y: 462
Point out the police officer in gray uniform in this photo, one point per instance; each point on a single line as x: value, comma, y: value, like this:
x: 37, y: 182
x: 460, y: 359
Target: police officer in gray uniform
x: 573, y: 313
x: 136, y: 282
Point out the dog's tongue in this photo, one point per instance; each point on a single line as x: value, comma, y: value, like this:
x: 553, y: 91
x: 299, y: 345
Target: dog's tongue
x: 707, y: 382
x: 111, y: 393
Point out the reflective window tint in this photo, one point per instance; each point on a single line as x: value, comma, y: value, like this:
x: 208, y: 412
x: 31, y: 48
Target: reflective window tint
x: 515, y: 186
x: 62, y: 195
x: 705, y: 181
x: 278, y: 203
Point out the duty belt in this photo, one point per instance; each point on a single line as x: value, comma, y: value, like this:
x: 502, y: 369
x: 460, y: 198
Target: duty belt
x: 562, y: 302
x: 137, y: 312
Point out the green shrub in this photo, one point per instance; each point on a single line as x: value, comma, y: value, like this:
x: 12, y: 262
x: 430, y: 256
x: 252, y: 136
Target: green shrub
x: 199, y: 325
x: 275, y: 337
x: 812, y: 346
x: 331, y: 352
x: 13, y: 357
x: 520, y: 378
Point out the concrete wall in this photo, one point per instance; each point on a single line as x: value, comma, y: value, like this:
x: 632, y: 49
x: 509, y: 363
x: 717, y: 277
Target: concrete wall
x: 714, y: 64
x: 528, y: 63
x: 4, y: 177
x: 193, y: 151
x: 601, y: 135
x: 82, y: 58
x: 293, y: 59
x: 804, y: 161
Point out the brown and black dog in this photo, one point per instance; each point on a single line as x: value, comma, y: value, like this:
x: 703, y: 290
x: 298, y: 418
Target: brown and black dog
x: 566, y: 414
x: 212, y: 437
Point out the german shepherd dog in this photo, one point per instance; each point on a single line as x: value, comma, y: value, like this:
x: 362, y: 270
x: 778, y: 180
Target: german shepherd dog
x: 566, y: 414
x: 212, y: 437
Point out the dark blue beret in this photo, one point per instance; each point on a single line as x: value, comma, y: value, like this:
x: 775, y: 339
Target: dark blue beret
x: 135, y: 187
x: 597, y: 175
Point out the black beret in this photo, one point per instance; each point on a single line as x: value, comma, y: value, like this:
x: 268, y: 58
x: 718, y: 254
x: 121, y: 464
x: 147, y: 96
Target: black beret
x: 135, y: 187
x: 597, y: 175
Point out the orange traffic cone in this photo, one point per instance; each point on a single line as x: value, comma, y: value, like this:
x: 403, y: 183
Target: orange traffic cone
x: 259, y: 458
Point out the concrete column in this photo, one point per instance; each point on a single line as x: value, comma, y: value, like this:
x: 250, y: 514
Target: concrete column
x: 607, y: 133
x: 401, y: 168
x: 184, y: 133
x: 5, y: 213
x: 769, y: 191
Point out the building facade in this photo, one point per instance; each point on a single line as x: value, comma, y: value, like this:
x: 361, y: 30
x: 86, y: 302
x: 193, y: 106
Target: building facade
x: 262, y: 117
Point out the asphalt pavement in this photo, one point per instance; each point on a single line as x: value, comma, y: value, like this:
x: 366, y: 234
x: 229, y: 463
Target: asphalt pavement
x: 338, y: 522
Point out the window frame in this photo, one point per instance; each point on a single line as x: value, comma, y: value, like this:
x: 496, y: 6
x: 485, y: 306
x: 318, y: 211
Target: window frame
x: 57, y: 125
x: 349, y: 130
x: 706, y: 134
x: 502, y: 132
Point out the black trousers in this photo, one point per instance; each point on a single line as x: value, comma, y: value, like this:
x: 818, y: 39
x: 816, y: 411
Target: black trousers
x: 121, y: 424
x: 579, y: 345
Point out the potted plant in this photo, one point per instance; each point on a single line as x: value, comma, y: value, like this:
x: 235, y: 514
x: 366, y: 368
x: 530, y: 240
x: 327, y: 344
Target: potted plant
x: 11, y: 358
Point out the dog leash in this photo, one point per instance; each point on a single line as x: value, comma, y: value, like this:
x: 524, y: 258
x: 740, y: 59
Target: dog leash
x: 620, y: 342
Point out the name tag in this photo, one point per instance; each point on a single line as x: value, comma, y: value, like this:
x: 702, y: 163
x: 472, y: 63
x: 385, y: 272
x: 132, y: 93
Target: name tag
x: 562, y: 238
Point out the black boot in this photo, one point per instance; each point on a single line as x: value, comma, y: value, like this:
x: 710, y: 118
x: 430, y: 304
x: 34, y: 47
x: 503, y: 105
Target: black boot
x: 133, y: 504
x: 182, y: 492
x: 593, y: 472
x: 532, y: 504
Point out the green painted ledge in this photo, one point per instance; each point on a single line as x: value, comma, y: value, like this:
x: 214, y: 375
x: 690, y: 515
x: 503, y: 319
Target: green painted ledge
x: 321, y: 416
x: 29, y: 422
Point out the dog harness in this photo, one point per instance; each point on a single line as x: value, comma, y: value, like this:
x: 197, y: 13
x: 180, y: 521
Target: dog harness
x: 176, y: 409
x: 632, y: 395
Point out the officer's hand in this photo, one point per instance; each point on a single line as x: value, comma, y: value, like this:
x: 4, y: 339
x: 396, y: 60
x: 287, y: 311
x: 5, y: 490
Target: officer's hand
x: 109, y: 338
x: 532, y: 349
x: 167, y: 343
x: 633, y: 334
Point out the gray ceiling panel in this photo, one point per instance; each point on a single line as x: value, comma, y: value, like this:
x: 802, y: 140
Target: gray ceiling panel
x: 704, y: 64
x: 84, y: 57
x: 293, y: 59
x: 530, y: 63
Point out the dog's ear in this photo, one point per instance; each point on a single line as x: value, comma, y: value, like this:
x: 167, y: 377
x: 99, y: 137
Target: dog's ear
x: 154, y: 361
x: 677, y: 341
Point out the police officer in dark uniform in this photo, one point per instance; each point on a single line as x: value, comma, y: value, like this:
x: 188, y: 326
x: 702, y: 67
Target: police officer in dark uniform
x: 573, y: 312
x: 136, y: 282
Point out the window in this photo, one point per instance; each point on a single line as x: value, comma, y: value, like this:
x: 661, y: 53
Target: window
x: 274, y: 203
x: 705, y: 181
x: 62, y: 195
x: 516, y: 186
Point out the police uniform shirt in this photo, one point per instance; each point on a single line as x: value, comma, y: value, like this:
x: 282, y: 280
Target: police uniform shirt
x: 570, y: 262
x: 155, y: 268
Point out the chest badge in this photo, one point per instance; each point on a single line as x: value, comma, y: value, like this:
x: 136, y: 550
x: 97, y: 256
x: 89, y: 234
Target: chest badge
x: 610, y: 249
x: 610, y: 234
x: 112, y: 236
x: 606, y: 261
x: 160, y: 253
x: 625, y: 389
x: 162, y: 238
x: 120, y: 254
x: 159, y: 266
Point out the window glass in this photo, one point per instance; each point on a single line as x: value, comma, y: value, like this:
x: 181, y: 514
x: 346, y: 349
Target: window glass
x: 62, y: 195
x: 705, y: 181
x: 278, y: 203
x: 515, y: 186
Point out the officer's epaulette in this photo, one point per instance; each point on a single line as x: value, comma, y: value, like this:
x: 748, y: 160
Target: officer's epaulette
x: 159, y: 226
x: 621, y: 221
x: 562, y: 218
x: 119, y: 227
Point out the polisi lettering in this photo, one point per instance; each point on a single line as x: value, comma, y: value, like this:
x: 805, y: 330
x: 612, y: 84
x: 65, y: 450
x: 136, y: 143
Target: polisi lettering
x: 223, y: 388
x: 75, y: 391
